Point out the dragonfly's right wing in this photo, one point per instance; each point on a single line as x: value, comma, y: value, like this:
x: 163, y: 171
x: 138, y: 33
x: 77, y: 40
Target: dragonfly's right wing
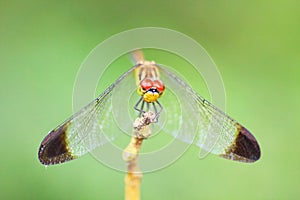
x: 207, y: 126
x: 86, y: 130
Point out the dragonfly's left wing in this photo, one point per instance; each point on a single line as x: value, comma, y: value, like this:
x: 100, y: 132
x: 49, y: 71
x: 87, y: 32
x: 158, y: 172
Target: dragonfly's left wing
x: 207, y: 126
x: 84, y: 131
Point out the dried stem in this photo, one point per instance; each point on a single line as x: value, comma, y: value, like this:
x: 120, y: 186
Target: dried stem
x: 141, y: 131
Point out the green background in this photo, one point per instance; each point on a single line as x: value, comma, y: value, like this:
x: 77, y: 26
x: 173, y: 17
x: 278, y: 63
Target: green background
x: 255, y: 45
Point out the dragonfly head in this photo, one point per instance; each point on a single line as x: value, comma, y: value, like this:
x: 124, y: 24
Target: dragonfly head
x: 150, y: 89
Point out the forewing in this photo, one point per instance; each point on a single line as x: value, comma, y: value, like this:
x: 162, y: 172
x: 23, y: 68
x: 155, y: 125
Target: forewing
x: 215, y: 131
x: 84, y: 131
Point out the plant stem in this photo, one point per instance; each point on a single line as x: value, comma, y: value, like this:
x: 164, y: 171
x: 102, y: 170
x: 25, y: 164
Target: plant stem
x: 133, y: 178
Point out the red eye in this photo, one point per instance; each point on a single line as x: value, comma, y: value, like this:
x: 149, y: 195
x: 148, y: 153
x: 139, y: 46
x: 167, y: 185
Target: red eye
x: 146, y: 84
x: 159, y: 85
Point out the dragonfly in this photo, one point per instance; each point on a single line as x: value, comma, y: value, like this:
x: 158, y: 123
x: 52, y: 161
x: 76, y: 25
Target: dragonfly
x: 216, y: 132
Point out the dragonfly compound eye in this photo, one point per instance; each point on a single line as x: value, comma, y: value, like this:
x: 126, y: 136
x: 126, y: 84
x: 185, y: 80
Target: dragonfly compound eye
x: 158, y: 84
x: 146, y: 84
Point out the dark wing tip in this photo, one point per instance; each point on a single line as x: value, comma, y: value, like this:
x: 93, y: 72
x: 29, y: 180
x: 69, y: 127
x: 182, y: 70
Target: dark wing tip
x: 245, y: 147
x: 54, y: 148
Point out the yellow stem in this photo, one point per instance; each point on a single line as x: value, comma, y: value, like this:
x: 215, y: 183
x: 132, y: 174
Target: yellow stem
x: 133, y: 177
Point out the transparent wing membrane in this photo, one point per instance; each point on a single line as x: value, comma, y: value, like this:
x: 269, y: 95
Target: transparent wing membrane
x: 215, y: 131
x: 89, y: 128
x: 184, y: 114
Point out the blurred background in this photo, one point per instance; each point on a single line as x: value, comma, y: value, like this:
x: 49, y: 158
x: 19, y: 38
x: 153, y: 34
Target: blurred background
x: 254, y: 44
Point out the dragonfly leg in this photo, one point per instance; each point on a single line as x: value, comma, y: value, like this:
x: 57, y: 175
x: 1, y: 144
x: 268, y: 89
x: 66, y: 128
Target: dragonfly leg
x: 155, y: 109
x: 157, y: 113
x: 139, y: 106
x: 160, y: 106
x: 140, y: 109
